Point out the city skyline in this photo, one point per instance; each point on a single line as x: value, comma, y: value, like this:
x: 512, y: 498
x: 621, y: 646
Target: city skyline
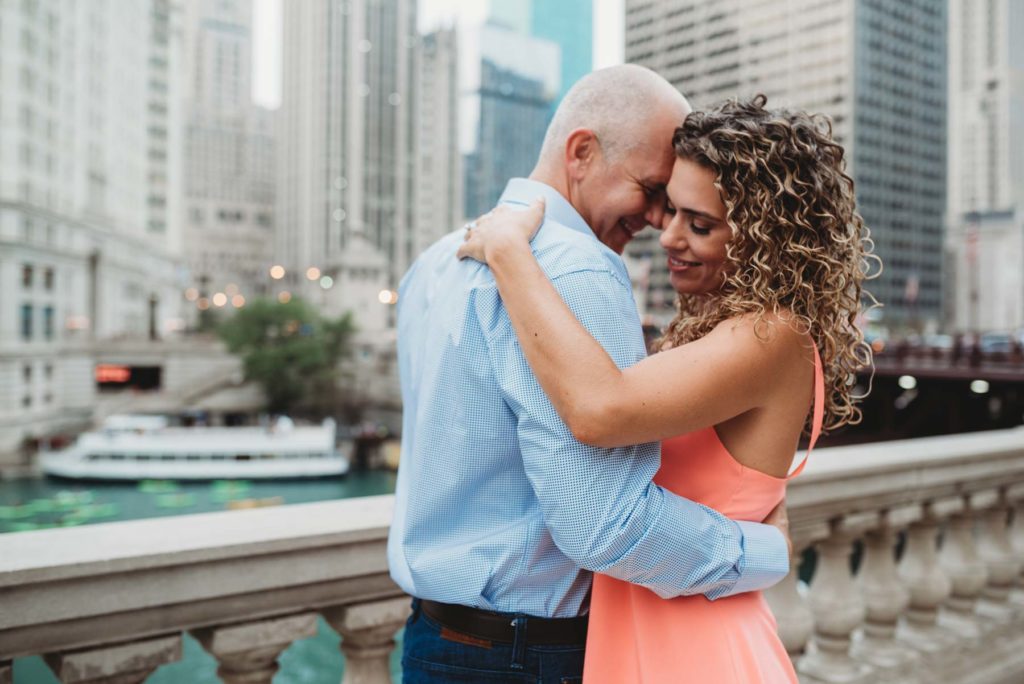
x: 608, y: 42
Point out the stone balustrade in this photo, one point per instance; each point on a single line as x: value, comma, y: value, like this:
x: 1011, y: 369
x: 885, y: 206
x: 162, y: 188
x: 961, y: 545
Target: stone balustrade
x: 108, y: 603
x: 935, y: 528
x: 936, y: 595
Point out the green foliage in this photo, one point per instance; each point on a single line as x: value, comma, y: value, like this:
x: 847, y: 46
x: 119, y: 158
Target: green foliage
x: 293, y: 353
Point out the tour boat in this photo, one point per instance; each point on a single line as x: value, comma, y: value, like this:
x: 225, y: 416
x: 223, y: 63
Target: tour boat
x: 136, y: 447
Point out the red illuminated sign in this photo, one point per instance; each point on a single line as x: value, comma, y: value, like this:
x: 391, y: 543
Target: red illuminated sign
x: 111, y: 373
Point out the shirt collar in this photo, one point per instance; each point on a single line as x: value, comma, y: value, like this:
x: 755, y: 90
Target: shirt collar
x: 557, y: 208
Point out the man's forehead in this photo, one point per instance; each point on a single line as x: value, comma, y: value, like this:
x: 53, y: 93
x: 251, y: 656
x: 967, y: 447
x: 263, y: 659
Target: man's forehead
x: 653, y: 162
x: 653, y: 171
x: 647, y: 175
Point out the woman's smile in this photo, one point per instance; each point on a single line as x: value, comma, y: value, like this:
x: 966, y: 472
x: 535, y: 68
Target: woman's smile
x: 681, y: 265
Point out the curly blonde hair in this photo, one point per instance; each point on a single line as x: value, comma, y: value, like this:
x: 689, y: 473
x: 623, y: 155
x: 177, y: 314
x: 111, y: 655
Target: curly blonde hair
x: 798, y: 246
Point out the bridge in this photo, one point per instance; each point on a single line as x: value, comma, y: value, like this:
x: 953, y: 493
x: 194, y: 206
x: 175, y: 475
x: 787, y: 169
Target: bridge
x: 919, y: 392
x: 937, y: 594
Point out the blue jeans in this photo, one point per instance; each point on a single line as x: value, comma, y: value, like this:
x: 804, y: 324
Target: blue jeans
x: 430, y: 658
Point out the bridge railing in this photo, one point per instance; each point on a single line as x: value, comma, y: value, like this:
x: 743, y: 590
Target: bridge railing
x: 110, y: 602
x: 970, y: 357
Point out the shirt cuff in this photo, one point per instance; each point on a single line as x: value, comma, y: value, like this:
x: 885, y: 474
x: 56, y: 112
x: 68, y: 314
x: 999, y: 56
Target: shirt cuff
x: 765, y: 557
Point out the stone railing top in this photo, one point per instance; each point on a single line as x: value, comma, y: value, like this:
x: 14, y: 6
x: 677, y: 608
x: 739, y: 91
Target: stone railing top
x: 841, y: 481
x: 67, y: 553
x: 76, y: 587
x: 880, y: 457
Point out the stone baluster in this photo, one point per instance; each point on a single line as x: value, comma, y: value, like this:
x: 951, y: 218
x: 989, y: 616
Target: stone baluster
x: 998, y: 554
x: 885, y: 598
x: 1017, y: 541
x: 368, y: 637
x: 247, y: 653
x: 129, y: 663
x: 838, y: 610
x: 791, y: 609
x: 967, y: 573
x: 929, y: 587
x: 5, y: 672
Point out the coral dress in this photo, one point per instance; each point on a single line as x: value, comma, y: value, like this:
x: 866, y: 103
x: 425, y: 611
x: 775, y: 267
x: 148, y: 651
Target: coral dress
x: 636, y: 637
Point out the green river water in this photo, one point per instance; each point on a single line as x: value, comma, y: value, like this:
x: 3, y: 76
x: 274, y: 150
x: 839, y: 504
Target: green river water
x: 39, y: 503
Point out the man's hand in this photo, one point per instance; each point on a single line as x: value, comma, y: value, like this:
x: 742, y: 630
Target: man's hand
x: 779, y: 518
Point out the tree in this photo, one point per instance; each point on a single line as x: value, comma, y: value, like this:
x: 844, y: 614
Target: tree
x: 293, y: 353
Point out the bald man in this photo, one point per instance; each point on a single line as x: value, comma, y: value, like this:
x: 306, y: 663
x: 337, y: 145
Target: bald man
x: 501, y: 515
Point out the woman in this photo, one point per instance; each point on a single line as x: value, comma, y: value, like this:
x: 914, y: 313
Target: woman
x: 767, y: 254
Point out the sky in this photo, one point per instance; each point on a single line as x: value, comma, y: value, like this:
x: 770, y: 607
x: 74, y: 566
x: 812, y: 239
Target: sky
x: 608, y: 36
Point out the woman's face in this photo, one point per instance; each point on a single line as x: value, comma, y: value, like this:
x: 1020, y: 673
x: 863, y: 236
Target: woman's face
x: 695, y: 232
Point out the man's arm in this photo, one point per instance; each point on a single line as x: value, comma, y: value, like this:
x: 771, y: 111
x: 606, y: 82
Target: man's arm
x: 600, y: 505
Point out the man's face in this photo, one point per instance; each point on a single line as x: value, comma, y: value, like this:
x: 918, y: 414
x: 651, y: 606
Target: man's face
x: 625, y: 195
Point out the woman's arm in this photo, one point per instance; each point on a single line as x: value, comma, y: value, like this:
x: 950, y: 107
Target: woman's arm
x: 724, y: 374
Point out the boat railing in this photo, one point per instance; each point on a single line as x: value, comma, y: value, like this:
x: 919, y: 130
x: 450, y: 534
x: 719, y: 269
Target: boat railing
x: 916, y: 546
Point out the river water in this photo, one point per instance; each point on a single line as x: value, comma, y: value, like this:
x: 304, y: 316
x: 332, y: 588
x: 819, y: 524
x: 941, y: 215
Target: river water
x: 38, y: 503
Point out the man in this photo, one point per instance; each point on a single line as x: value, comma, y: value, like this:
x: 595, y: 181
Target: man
x: 500, y: 515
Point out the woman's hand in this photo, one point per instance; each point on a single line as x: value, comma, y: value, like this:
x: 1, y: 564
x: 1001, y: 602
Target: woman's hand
x: 502, y: 228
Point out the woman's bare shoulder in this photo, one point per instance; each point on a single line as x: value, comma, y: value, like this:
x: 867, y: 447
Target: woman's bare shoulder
x: 771, y: 336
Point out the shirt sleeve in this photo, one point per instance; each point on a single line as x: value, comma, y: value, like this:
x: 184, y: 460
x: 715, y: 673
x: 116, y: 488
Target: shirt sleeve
x: 600, y: 505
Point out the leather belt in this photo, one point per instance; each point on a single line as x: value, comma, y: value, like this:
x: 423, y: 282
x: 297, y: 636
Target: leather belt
x: 484, y: 624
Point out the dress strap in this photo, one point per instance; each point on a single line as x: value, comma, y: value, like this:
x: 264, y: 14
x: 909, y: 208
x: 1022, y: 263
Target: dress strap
x: 819, y: 410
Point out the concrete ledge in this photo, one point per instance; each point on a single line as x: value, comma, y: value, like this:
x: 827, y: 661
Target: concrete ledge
x: 72, y: 588
x: 842, y: 481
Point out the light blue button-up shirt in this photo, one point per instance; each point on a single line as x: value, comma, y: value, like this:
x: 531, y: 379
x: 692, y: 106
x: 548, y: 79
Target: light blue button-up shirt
x: 497, y: 505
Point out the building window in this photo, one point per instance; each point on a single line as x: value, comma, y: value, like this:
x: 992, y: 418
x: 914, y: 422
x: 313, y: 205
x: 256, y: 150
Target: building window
x: 26, y: 275
x: 26, y: 321
x: 26, y: 373
x: 48, y: 279
x: 48, y: 322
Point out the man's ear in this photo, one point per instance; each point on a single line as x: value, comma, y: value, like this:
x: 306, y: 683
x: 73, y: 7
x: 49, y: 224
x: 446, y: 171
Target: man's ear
x: 581, y: 150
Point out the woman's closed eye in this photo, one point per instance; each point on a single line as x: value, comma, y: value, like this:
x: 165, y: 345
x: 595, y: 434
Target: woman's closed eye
x: 699, y: 229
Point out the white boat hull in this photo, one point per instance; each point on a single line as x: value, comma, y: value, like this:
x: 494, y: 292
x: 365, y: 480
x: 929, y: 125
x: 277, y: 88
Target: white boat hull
x: 131, y: 447
x: 72, y: 465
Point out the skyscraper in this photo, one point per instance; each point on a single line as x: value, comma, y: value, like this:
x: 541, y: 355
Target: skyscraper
x: 509, y: 82
x: 986, y: 165
x: 516, y: 69
x: 438, y: 177
x: 89, y: 246
x: 567, y: 23
x: 346, y: 150
x: 876, y: 67
x: 229, y: 158
x: 570, y: 23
